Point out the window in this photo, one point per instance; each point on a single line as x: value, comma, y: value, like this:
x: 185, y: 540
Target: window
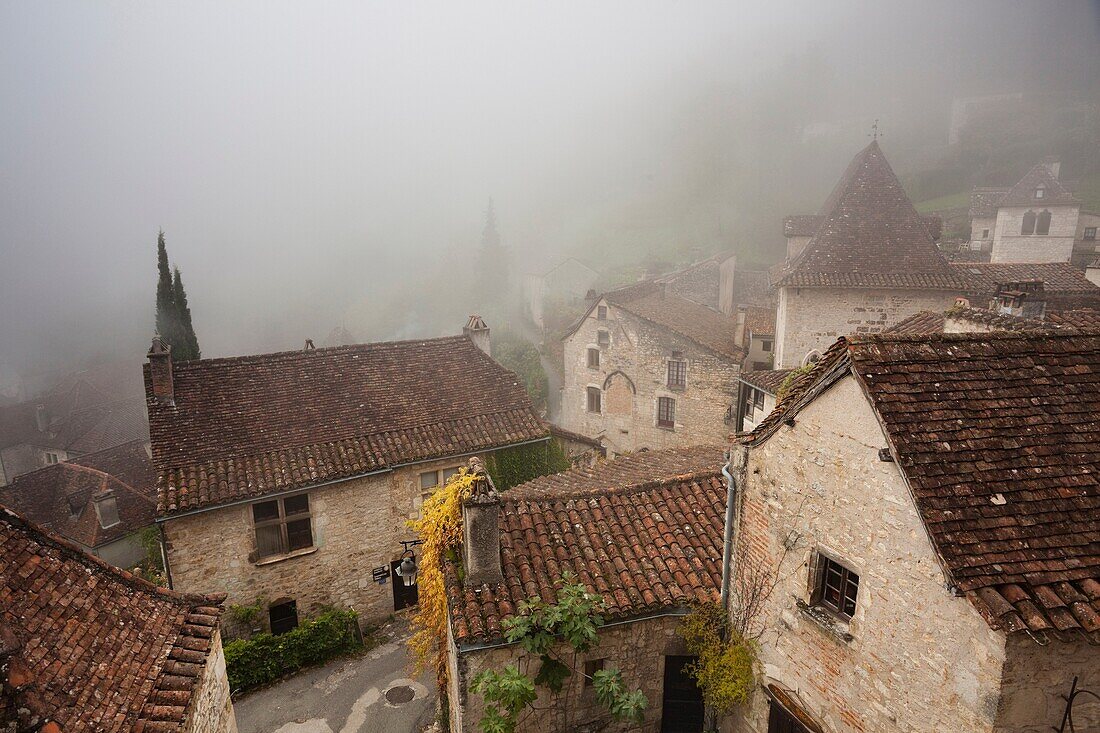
x: 766, y: 344
x: 985, y: 234
x: 1028, y: 224
x: 677, y: 373
x: 603, y: 338
x: 1042, y: 226
x: 594, y: 396
x: 758, y: 399
x: 1090, y: 234
x: 593, y: 358
x: 591, y: 667
x: 836, y: 588
x: 448, y: 474
x: 1040, y: 191
x: 429, y: 480
x: 106, y: 510
x: 601, y: 312
x: 51, y: 458
x: 283, y: 617
x: 749, y: 401
x: 666, y: 412
x: 282, y: 525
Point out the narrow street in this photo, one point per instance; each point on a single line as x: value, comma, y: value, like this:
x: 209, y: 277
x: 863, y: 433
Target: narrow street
x: 372, y: 692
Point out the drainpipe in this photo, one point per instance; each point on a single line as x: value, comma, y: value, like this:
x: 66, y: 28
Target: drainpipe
x: 727, y: 541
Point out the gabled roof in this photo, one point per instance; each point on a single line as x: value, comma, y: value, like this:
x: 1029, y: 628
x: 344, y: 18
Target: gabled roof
x: 79, y: 418
x: 870, y: 236
x: 921, y: 323
x: 247, y: 426
x: 998, y: 436
x: 60, y: 497
x: 769, y: 380
x: 984, y: 201
x: 90, y: 647
x: 1023, y: 193
x: 760, y: 321
x: 644, y: 532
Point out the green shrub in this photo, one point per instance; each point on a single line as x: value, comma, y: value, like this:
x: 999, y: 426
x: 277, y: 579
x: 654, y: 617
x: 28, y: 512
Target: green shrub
x: 265, y: 658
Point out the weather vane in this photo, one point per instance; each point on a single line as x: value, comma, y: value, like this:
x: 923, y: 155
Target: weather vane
x: 875, y: 131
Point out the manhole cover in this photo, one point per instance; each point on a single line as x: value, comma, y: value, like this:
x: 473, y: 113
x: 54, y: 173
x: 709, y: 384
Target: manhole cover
x: 399, y: 695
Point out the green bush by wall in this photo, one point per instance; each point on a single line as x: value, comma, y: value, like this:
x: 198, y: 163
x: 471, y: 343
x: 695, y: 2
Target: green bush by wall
x: 265, y: 658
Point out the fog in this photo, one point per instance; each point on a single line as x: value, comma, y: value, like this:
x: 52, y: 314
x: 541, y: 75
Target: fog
x: 316, y: 165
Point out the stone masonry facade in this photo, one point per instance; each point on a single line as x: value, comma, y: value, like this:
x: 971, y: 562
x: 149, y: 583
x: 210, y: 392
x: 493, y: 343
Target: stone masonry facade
x: 811, y: 319
x: 1057, y: 246
x: 357, y: 525
x: 632, y: 375
x: 211, y: 707
x: 637, y: 649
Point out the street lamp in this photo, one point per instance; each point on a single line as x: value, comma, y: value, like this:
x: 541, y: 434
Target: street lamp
x: 407, y: 569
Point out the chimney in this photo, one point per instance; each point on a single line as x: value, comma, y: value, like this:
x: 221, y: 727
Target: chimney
x: 481, y: 529
x: 106, y: 508
x: 476, y: 330
x: 160, y: 370
x: 1053, y: 164
x: 41, y: 419
x: 739, y: 331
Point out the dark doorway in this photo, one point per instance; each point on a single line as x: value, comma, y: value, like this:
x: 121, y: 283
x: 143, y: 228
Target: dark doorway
x: 781, y: 721
x: 283, y: 617
x: 682, y: 707
x: 403, y: 595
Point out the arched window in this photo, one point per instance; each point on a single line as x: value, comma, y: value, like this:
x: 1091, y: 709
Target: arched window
x: 1028, y: 226
x: 1042, y: 226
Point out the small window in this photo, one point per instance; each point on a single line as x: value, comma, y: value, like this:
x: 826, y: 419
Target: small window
x: 448, y: 474
x: 1042, y: 225
x: 836, y: 588
x: 1090, y: 234
x: 747, y: 403
x: 677, y: 374
x: 106, y: 510
x: 985, y: 234
x: 282, y: 525
x: 601, y: 312
x: 593, y: 358
x: 766, y: 344
x: 758, y: 399
x: 429, y: 480
x: 51, y: 458
x: 603, y: 338
x: 591, y: 667
x: 594, y: 396
x: 666, y: 412
x: 1028, y: 224
x: 283, y: 617
x: 1040, y: 191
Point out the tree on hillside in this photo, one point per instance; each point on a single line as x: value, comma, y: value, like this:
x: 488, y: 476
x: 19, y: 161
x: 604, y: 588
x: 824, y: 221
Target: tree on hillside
x: 173, y: 316
x: 492, y: 260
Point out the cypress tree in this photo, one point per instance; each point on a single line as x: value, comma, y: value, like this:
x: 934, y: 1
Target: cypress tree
x: 493, y: 259
x: 189, y: 343
x: 166, y: 322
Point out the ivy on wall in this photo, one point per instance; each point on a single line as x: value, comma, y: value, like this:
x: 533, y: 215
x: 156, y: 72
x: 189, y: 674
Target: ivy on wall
x: 513, y: 466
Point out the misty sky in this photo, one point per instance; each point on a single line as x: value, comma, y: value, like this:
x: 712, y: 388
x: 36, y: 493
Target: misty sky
x: 310, y: 162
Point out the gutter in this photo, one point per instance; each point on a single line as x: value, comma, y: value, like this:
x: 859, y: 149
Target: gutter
x: 310, y: 487
x: 727, y: 538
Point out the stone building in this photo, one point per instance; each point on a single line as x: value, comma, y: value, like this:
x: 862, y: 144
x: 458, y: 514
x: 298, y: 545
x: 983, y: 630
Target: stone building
x: 759, y: 390
x: 97, y: 501
x: 919, y: 522
x: 287, y: 479
x: 643, y: 532
x: 1037, y: 220
x: 870, y: 262
x: 88, y: 648
x: 645, y: 368
x: 563, y: 286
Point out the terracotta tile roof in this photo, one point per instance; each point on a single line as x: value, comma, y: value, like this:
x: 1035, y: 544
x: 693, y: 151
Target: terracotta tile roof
x: 769, y: 380
x: 80, y: 420
x: 997, y: 434
x: 923, y: 322
x: 705, y: 326
x: 60, y: 497
x: 1023, y: 193
x: 90, y: 647
x: 1084, y: 318
x: 247, y: 426
x: 968, y: 255
x: 871, y: 236
x: 801, y: 225
x: 1064, y: 286
x: 760, y: 321
x: 984, y: 201
x: 997, y: 321
x: 635, y: 530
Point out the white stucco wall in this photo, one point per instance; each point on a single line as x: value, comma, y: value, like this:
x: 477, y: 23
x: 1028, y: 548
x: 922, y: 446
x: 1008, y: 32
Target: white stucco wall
x: 1057, y: 246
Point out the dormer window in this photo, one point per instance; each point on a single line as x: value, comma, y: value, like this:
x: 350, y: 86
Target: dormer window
x: 106, y: 510
x: 1040, y: 191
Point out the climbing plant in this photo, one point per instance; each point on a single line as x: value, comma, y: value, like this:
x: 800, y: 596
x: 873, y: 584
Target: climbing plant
x: 554, y: 635
x: 513, y: 466
x: 440, y: 528
x: 724, y: 663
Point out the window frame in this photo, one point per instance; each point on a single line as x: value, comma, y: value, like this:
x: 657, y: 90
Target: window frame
x: 593, y: 358
x: 1029, y: 218
x: 601, y: 313
x: 676, y: 366
x: 292, y: 605
x: 668, y: 423
x: 591, y: 667
x: 1089, y: 235
x: 52, y: 458
x: 1042, y: 223
x: 282, y: 521
x: 434, y: 474
x: 603, y: 338
x: 820, y: 596
x: 1040, y: 192
x: 597, y: 393
x: 766, y: 345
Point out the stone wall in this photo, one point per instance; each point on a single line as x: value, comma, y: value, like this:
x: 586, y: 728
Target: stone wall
x: 636, y: 649
x: 980, y: 225
x: 211, y: 708
x: 914, y: 657
x: 811, y: 319
x: 1057, y: 246
x: 1037, y: 677
x: 632, y: 375
x: 20, y: 459
x: 357, y: 525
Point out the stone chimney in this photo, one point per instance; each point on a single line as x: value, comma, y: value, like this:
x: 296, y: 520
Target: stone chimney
x: 160, y: 370
x: 41, y: 418
x: 1026, y: 298
x: 739, y: 331
x: 476, y: 330
x: 481, y: 529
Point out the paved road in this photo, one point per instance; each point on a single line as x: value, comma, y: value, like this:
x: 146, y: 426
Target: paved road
x: 361, y: 695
